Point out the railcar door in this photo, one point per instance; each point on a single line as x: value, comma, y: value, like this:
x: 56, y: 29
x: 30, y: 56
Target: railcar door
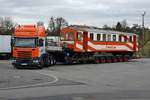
x: 85, y: 40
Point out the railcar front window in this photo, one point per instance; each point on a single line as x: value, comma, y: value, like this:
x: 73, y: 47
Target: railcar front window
x: 62, y: 35
x: 25, y: 42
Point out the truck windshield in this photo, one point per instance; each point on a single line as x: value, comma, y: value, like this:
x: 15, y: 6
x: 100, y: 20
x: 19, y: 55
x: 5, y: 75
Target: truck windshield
x: 25, y: 42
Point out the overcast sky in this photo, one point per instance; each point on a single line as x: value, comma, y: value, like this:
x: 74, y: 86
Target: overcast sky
x: 89, y: 12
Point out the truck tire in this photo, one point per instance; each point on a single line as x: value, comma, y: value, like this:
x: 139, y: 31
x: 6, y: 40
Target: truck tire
x: 41, y: 64
x: 52, y: 60
x: 16, y: 67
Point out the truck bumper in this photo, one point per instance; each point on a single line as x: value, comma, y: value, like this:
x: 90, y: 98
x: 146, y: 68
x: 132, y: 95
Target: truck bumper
x: 32, y: 62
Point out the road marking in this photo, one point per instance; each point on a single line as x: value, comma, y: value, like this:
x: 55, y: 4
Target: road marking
x: 34, y: 85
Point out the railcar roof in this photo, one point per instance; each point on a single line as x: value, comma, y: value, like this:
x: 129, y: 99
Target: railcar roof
x: 96, y: 30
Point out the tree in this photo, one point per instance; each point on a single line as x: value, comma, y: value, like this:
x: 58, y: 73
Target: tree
x: 56, y: 24
x: 106, y: 27
x: 124, y: 24
x: 60, y: 24
x: 51, y: 26
x: 6, y: 25
x: 118, y: 27
x: 40, y: 23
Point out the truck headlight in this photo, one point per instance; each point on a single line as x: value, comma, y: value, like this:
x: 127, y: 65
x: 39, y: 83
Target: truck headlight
x: 35, y: 61
x: 14, y: 61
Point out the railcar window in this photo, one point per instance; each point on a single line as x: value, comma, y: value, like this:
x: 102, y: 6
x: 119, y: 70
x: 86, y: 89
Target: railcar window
x: 71, y: 36
x: 66, y: 35
x: 104, y: 37
x: 125, y: 38
x: 98, y: 37
x: 120, y: 38
x: 131, y: 39
x: 62, y: 35
x: 109, y: 37
x: 114, y: 38
x: 91, y: 36
x: 79, y: 36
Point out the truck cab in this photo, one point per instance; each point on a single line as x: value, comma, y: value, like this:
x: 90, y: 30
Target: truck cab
x: 29, y: 46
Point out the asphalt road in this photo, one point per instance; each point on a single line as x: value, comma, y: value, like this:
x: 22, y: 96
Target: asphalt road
x: 114, y: 81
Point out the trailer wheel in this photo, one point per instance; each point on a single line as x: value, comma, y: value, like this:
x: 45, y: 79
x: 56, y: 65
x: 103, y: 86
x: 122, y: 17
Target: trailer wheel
x: 97, y: 61
x: 125, y: 59
x: 115, y: 59
x: 120, y: 59
x: 109, y: 60
x: 103, y: 60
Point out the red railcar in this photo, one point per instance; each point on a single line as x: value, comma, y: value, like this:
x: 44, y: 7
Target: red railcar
x: 90, y: 39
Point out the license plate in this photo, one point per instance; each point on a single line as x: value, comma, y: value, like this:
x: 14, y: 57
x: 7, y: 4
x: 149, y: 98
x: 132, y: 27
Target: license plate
x: 24, y: 64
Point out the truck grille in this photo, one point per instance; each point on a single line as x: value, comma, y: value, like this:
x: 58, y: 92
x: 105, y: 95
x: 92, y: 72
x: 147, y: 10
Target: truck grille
x: 24, y: 54
x: 24, y: 61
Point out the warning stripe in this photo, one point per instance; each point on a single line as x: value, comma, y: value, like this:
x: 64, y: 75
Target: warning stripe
x: 110, y: 43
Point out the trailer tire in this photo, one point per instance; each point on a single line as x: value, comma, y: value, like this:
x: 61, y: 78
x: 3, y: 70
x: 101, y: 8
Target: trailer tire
x: 120, y: 59
x: 103, y: 60
x: 125, y: 59
x: 52, y: 60
x: 97, y: 61
x: 109, y: 60
x: 115, y: 59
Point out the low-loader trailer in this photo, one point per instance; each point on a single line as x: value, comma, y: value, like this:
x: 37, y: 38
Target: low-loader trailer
x: 77, y: 44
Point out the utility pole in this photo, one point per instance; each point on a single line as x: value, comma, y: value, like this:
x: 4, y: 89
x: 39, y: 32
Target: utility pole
x: 143, y: 38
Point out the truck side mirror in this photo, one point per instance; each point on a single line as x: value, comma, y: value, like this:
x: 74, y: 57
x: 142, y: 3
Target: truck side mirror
x: 41, y: 42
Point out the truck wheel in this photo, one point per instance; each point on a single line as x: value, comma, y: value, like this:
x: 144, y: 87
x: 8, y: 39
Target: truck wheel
x: 41, y: 64
x: 16, y: 67
x: 52, y: 61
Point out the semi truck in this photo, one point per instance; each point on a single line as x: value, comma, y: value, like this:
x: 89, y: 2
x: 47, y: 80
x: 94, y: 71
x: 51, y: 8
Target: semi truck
x: 77, y: 44
x: 5, y: 46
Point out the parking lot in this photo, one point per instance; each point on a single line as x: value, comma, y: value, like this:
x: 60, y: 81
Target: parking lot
x: 110, y: 81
